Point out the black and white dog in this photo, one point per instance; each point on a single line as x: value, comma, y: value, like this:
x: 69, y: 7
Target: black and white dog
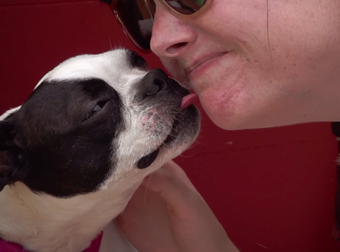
x: 73, y: 154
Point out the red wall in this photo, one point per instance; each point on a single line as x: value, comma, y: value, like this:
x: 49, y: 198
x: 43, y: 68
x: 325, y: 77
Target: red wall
x: 272, y: 189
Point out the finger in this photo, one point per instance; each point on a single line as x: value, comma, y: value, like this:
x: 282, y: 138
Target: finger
x: 180, y: 173
x: 174, y: 187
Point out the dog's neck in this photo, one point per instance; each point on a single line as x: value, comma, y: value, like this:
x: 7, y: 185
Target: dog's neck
x: 40, y: 222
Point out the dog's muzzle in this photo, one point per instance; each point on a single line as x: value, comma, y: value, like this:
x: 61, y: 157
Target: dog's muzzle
x: 156, y: 86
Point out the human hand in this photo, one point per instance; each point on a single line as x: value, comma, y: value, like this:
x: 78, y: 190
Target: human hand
x: 168, y: 214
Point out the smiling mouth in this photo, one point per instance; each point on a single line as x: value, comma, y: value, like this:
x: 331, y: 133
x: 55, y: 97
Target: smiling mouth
x: 199, y: 63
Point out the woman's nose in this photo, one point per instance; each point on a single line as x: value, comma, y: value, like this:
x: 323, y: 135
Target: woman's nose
x: 170, y: 34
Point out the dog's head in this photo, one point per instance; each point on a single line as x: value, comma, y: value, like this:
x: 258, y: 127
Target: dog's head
x: 93, y: 121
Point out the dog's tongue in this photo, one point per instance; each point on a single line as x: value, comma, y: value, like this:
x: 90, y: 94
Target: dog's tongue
x: 188, y: 100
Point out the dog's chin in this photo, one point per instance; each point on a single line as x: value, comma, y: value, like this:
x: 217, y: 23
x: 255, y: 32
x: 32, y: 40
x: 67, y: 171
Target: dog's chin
x: 183, y: 133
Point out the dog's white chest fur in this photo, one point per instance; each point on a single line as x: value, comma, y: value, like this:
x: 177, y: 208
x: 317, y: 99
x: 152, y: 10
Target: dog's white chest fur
x: 46, y: 223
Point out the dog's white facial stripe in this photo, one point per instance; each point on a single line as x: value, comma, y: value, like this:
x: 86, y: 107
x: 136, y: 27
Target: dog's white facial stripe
x: 94, y: 66
x: 9, y: 112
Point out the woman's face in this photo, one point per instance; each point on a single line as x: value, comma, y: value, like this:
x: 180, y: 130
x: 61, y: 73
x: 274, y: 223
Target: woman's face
x: 256, y: 63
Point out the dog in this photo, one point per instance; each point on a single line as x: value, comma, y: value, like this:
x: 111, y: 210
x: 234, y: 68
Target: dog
x: 72, y: 155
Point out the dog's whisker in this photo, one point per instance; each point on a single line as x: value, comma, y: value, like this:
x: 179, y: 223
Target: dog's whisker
x: 110, y: 43
x: 166, y: 146
x: 146, y: 189
x: 187, y: 156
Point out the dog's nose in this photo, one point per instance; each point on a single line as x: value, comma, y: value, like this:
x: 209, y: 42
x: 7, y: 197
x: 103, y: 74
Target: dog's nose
x: 153, y: 83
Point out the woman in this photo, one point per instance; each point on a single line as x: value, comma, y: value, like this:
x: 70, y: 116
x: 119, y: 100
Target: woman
x: 253, y: 64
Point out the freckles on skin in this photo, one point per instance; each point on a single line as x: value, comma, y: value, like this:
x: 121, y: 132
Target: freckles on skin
x: 218, y: 106
x: 232, y: 108
x: 275, y: 63
x: 220, y: 100
x: 236, y: 91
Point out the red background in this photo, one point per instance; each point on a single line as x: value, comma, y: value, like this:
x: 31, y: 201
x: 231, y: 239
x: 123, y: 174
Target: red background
x: 272, y: 189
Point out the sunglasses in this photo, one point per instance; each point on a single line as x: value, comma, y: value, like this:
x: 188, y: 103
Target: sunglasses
x: 136, y: 16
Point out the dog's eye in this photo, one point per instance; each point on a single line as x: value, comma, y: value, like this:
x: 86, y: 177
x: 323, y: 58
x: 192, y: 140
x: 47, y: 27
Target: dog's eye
x: 95, y: 109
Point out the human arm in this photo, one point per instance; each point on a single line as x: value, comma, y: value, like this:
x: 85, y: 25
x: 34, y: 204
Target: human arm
x: 168, y: 214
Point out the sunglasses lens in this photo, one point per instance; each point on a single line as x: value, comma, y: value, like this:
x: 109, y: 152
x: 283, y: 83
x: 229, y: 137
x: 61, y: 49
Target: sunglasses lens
x: 137, y: 16
x: 186, y: 6
x: 137, y: 20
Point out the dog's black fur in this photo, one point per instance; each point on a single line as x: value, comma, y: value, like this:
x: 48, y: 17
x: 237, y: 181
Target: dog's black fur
x: 107, y: 1
x: 57, y: 134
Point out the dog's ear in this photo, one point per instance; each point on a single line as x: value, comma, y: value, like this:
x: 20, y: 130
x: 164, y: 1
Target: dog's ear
x: 11, y: 155
x: 7, y: 134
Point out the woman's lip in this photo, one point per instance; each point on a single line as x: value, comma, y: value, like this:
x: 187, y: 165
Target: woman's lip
x: 201, y: 61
